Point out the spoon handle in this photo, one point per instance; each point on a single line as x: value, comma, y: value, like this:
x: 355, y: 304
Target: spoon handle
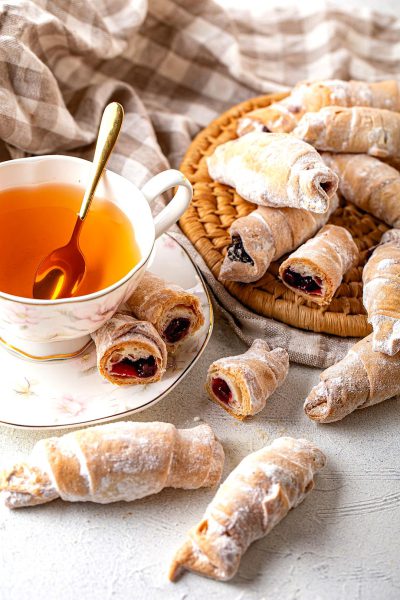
x: 110, y: 126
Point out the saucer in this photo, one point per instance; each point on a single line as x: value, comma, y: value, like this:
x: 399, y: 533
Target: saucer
x: 71, y: 393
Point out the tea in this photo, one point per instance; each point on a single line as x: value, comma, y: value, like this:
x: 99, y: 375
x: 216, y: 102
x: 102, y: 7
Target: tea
x: 35, y: 220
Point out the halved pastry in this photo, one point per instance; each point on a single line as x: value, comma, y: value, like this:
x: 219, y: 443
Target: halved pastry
x: 174, y: 312
x: 315, y: 270
x: 265, y: 235
x: 381, y: 293
x: 129, y: 351
x: 368, y: 183
x: 357, y: 130
x: 242, y: 384
x: 274, y: 170
x: 311, y: 96
x: 254, y: 498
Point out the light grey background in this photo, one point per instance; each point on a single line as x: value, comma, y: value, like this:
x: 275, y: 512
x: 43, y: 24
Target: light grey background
x: 341, y: 543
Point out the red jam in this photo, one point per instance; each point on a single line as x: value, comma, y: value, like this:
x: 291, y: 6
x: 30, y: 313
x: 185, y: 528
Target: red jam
x: 221, y: 390
x: 141, y: 368
x: 308, y: 284
x: 176, y: 330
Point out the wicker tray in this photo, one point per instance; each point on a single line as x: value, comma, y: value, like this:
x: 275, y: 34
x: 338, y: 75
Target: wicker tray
x: 215, y: 206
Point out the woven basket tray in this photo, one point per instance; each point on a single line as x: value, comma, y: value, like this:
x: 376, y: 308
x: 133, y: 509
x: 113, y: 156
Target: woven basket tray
x: 215, y: 206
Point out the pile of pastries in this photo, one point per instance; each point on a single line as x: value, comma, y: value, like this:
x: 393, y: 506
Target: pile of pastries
x: 275, y: 163
x: 132, y: 347
x: 290, y: 159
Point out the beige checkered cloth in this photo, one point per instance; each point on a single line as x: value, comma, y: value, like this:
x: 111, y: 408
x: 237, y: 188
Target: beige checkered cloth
x: 174, y: 65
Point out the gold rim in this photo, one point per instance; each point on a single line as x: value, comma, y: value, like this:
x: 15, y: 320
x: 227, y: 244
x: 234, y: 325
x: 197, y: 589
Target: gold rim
x: 48, y: 357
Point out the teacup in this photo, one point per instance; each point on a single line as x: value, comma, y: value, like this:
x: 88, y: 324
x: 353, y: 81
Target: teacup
x: 54, y: 329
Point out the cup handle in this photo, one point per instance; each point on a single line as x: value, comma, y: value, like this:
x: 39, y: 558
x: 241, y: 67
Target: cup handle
x: 176, y: 207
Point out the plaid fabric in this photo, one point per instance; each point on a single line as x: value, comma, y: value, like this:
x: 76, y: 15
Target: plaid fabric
x: 174, y: 65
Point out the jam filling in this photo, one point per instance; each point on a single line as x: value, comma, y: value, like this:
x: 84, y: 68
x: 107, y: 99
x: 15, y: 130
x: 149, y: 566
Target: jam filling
x: 221, y: 390
x: 141, y: 368
x: 236, y: 251
x: 176, y: 330
x: 308, y: 284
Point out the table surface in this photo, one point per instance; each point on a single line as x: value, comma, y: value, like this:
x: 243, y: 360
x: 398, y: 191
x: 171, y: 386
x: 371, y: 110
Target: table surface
x: 342, y: 542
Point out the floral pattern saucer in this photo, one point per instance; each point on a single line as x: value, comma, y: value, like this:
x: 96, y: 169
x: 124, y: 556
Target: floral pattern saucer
x: 71, y: 392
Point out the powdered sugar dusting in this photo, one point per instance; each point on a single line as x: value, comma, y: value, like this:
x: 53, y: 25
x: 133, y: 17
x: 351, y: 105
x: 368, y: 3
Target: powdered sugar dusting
x: 386, y: 334
x: 381, y: 293
x: 368, y: 183
x: 252, y: 500
x: 119, y: 461
x: 248, y: 124
x: 274, y: 170
x: 358, y: 129
x: 312, y: 96
x: 327, y: 256
x: 362, y: 378
x: 267, y: 234
x: 252, y: 377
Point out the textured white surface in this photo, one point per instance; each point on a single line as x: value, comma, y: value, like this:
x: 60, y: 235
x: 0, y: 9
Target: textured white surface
x: 342, y: 542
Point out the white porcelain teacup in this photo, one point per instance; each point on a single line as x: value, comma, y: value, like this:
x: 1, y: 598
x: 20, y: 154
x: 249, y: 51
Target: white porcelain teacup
x: 49, y: 329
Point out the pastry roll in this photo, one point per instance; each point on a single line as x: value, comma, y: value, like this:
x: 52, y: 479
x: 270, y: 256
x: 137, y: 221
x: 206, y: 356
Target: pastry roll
x: 129, y: 351
x: 356, y: 130
x: 311, y: 96
x: 368, y: 183
x: 114, y: 462
x: 274, y: 170
x: 278, y: 117
x: 363, y: 378
x: 264, y: 236
x: 253, y: 499
x: 242, y: 384
x: 315, y: 270
x: 381, y: 293
x: 174, y: 312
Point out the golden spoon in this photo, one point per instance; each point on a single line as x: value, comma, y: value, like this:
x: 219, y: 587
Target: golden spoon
x: 61, y: 272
